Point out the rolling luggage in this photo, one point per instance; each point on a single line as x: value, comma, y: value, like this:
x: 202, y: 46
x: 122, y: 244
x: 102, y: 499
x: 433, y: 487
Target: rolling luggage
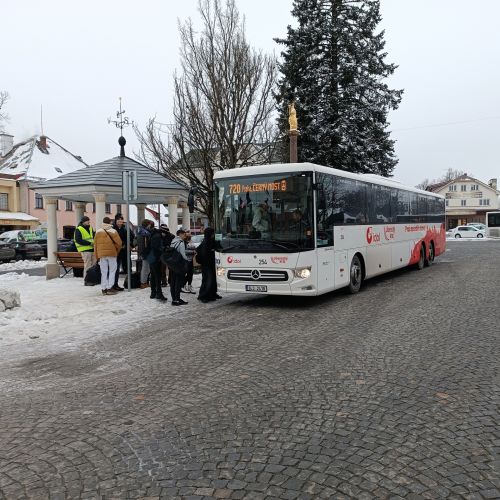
x: 135, y: 281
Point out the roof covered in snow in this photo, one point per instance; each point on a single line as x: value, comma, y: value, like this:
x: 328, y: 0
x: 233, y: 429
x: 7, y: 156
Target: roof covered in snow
x: 37, y: 160
x: 109, y: 173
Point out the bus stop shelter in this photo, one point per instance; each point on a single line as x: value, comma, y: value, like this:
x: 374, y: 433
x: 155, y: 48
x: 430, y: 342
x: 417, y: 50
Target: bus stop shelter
x: 102, y: 183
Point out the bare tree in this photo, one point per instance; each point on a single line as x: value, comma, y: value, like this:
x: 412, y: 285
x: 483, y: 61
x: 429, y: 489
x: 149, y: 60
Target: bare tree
x: 223, y: 105
x: 4, y: 97
x: 450, y: 175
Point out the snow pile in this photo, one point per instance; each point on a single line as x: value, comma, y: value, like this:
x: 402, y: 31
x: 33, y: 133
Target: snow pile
x: 20, y: 265
x: 65, y: 311
x: 9, y: 299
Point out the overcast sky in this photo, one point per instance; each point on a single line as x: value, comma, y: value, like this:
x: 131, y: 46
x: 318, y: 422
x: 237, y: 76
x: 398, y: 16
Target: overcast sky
x: 77, y: 58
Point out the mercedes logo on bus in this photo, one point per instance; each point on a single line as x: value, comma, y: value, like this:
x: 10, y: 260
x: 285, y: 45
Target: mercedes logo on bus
x: 255, y: 274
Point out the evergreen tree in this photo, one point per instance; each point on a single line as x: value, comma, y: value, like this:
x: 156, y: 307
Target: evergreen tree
x: 333, y: 68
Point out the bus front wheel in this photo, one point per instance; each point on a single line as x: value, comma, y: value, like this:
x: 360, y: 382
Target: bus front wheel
x: 356, y: 275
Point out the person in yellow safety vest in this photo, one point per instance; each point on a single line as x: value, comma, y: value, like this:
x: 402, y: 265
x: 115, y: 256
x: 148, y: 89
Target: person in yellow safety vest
x: 84, y: 241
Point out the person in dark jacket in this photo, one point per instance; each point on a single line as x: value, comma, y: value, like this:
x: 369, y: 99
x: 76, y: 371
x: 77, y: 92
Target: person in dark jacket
x: 154, y: 260
x: 120, y: 227
x: 205, y: 255
x: 177, y: 275
x: 167, y: 238
x: 143, y: 247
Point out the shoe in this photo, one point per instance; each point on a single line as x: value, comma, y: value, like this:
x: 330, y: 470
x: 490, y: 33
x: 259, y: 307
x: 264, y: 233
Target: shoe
x: 176, y: 303
x: 205, y: 301
x: 184, y: 290
x: 118, y: 288
x: 190, y: 289
x: 110, y: 291
x: 104, y: 292
x: 152, y: 296
x: 217, y: 296
x: 144, y: 285
x: 182, y: 302
x: 162, y: 298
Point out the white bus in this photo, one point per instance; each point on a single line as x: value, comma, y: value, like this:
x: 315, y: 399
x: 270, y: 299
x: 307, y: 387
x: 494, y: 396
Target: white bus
x: 493, y: 224
x: 304, y: 229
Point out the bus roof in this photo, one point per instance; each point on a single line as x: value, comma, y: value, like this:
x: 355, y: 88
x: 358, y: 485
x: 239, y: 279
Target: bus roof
x: 278, y: 168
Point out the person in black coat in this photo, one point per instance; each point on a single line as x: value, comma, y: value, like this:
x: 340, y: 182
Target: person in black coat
x: 205, y: 255
x: 154, y: 259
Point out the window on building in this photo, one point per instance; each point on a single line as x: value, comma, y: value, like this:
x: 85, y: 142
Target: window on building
x: 107, y: 208
x: 93, y: 207
x: 38, y: 201
x: 57, y: 204
x: 484, y: 202
x: 69, y: 206
x: 463, y: 203
x: 447, y: 203
x: 463, y: 187
x: 118, y: 209
x: 453, y: 187
x: 4, y: 201
x: 474, y: 187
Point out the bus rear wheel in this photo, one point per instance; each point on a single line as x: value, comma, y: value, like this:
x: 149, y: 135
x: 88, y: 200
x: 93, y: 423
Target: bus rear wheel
x: 430, y: 257
x: 355, y: 275
x: 421, y: 259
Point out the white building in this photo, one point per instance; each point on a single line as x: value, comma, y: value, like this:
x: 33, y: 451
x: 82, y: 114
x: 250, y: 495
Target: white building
x: 467, y: 199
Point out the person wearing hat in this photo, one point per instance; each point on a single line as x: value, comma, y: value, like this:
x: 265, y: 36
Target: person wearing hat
x: 154, y: 260
x: 84, y: 242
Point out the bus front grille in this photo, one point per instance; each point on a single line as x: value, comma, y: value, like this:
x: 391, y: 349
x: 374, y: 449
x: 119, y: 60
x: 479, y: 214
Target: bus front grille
x: 256, y: 275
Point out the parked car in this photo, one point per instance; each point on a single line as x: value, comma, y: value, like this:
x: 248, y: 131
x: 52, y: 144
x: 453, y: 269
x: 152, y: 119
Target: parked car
x: 7, y: 252
x: 477, y: 225
x: 39, y: 236
x: 24, y: 249
x: 465, y: 232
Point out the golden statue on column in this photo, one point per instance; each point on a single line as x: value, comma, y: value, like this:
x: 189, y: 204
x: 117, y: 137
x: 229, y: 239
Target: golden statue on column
x: 292, y: 116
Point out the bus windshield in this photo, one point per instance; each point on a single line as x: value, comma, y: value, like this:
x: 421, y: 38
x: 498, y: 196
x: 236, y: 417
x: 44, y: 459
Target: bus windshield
x: 265, y: 213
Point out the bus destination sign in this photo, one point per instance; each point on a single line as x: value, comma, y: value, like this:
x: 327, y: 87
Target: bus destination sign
x: 256, y: 187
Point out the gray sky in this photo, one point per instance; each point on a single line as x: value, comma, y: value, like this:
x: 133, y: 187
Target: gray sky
x: 77, y: 58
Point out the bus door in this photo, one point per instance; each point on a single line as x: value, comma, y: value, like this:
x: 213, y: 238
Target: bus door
x: 325, y: 250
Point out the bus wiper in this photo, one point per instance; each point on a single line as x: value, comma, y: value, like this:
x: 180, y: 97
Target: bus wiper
x: 280, y: 244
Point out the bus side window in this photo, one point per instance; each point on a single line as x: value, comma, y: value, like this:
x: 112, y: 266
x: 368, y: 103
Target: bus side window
x: 324, y: 210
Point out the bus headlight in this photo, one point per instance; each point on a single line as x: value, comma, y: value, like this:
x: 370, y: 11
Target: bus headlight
x: 302, y: 272
x: 221, y: 271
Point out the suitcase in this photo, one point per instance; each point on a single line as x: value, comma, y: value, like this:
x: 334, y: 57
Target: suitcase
x: 135, y: 281
x: 93, y: 276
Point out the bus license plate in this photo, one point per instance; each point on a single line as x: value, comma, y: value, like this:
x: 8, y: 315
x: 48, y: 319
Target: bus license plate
x: 256, y: 288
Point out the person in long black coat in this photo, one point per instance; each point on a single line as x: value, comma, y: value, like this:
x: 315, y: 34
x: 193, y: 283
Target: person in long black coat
x: 205, y: 255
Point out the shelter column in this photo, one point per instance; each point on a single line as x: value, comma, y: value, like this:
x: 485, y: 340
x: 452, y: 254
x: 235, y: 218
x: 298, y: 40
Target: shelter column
x: 52, y: 267
x: 172, y: 214
x: 100, y: 209
x: 79, y: 211
x: 186, y: 216
x: 141, y: 213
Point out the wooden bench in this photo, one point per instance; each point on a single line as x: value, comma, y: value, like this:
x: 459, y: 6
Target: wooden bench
x: 69, y: 261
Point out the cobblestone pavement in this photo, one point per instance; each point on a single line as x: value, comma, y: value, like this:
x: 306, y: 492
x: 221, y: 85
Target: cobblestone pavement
x: 391, y: 393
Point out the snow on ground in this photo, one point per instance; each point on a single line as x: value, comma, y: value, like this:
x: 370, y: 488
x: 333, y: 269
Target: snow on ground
x: 20, y: 265
x: 65, y: 312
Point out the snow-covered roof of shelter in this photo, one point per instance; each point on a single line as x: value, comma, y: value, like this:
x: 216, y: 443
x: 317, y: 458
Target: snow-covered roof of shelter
x: 17, y: 216
x: 31, y: 160
x: 109, y: 173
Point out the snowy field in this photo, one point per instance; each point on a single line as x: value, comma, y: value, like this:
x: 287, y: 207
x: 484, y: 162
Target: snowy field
x: 64, y: 312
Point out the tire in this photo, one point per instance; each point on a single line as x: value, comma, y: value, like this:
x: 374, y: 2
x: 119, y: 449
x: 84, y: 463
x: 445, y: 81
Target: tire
x: 355, y: 275
x: 421, y: 260
x: 457, y: 236
x: 480, y: 235
x: 430, y: 257
x: 37, y: 258
x: 19, y: 256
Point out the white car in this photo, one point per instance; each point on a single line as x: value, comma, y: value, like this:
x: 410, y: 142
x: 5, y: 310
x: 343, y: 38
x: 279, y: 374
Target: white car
x: 477, y: 225
x: 465, y: 232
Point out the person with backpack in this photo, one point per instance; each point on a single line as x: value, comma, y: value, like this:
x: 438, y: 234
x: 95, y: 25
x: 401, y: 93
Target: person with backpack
x: 178, y: 272
x: 205, y: 255
x: 143, y: 248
